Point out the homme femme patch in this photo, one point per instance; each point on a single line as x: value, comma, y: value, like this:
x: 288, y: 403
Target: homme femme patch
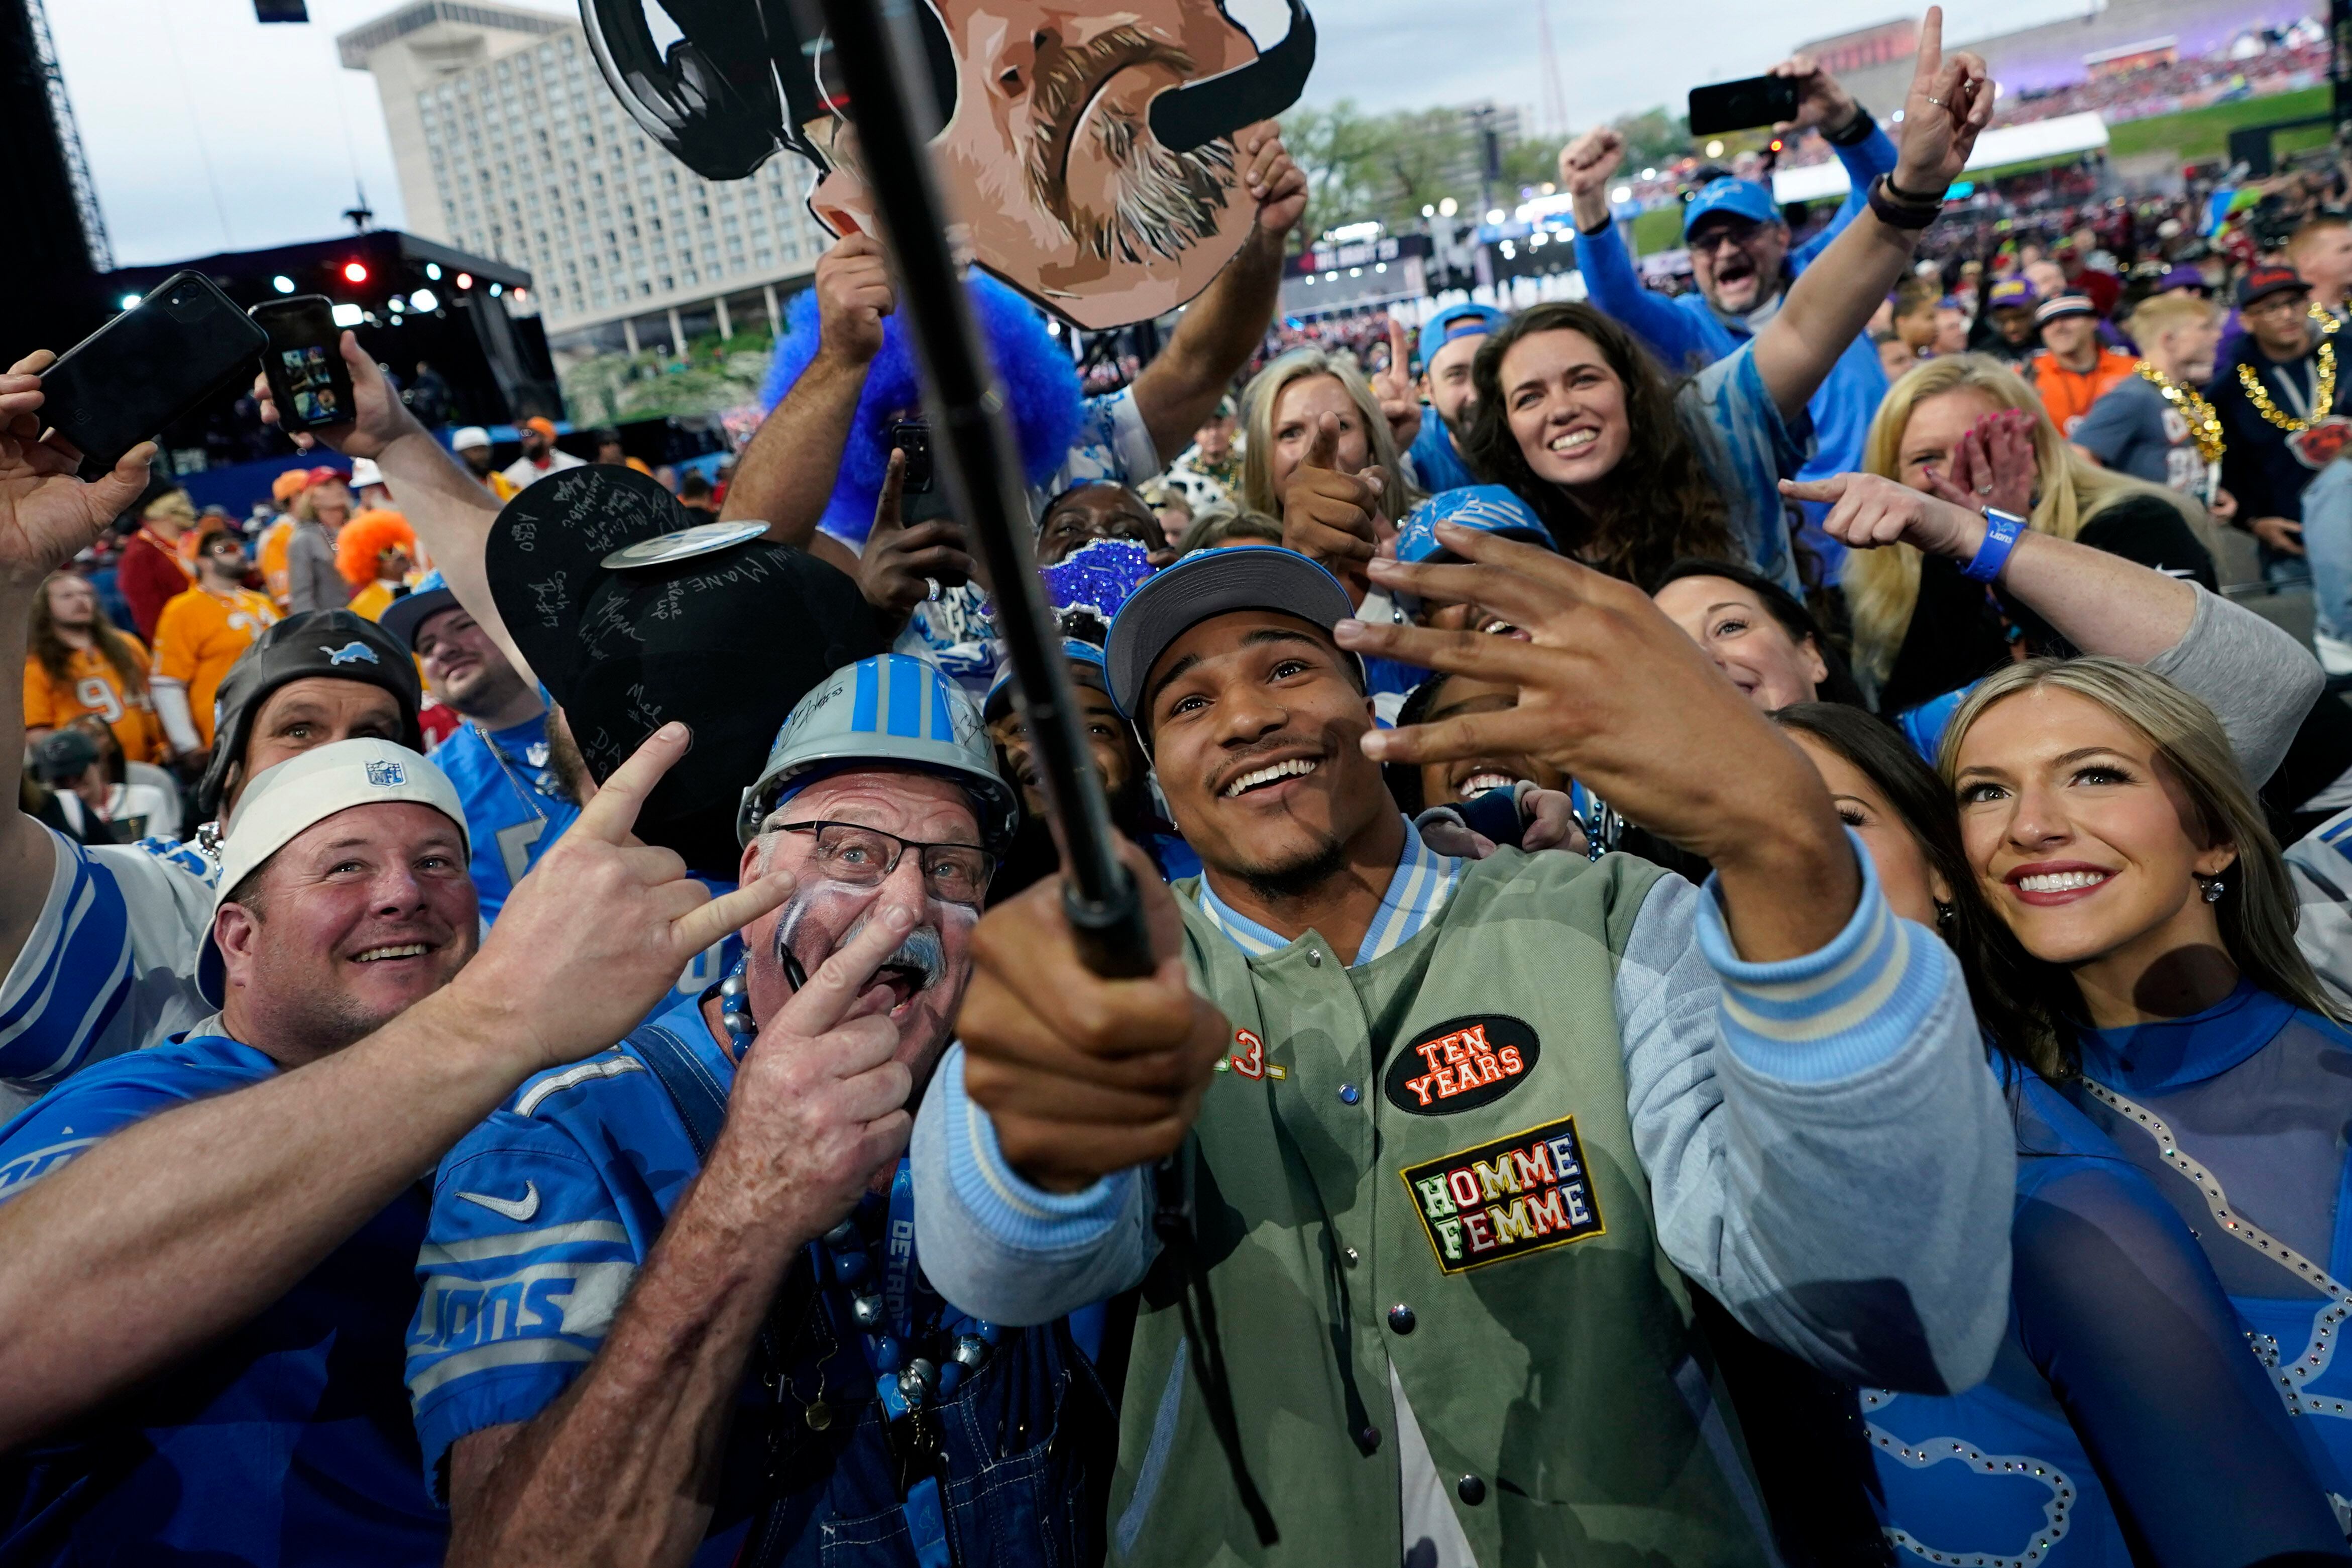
x: 1461, y: 1065
x: 1524, y: 1193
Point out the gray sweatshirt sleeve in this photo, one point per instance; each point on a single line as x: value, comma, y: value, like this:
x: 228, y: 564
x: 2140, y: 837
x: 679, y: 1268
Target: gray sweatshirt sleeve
x: 312, y: 583
x: 999, y: 1249
x: 2259, y: 681
x: 1827, y: 1151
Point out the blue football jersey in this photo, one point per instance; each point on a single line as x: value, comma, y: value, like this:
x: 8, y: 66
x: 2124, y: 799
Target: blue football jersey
x: 287, y: 1441
x: 513, y: 810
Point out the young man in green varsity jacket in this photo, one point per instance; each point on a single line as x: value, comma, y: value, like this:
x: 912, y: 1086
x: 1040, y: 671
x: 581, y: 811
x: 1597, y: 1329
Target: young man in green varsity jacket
x: 1458, y: 1132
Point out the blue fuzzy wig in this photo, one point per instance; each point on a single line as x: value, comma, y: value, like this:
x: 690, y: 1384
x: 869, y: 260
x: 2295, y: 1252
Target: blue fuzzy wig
x: 1041, y: 388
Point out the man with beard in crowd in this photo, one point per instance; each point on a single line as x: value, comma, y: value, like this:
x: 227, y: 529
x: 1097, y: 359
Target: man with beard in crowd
x: 1449, y: 341
x: 472, y: 445
x: 501, y: 758
x: 211, y: 1243
x: 622, y: 1422
x: 540, y: 455
x: 2280, y: 395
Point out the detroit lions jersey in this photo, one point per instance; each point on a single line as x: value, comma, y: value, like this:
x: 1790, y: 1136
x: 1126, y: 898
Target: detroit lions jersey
x: 285, y: 1443
x: 513, y: 809
x: 110, y: 964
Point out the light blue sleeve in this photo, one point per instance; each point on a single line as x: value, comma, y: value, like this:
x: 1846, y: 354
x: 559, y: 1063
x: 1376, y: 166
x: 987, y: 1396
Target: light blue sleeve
x: 1747, y: 450
x: 1828, y: 1153
x: 526, y: 1258
x: 1864, y: 160
x: 1615, y: 287
x: 1004, y: 1251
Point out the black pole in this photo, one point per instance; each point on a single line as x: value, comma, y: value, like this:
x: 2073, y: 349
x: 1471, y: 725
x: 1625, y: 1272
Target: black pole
x: 872, y: 45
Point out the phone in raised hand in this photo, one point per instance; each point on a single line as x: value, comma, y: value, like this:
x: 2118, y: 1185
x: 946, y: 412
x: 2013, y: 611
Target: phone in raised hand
x: 304, y: 362
x: 150, y: 367
x: 1742, y: 105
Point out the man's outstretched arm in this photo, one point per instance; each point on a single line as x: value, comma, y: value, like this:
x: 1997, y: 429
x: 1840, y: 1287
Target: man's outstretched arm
x: 786, y: 475
x: 47, y: 516
x: 620, y: 1469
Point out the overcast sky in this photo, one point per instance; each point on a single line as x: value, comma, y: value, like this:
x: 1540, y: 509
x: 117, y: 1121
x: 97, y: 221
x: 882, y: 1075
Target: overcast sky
x: 208, y: 132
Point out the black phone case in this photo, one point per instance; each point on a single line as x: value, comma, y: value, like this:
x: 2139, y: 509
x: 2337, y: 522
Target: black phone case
x: 281, y: 393
x: 1742, y: 105
x: 152, y: 365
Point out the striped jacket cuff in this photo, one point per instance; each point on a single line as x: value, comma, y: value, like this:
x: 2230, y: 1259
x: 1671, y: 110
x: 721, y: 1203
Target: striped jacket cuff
x: 1831, y: 1014
x: 1020, y: 1216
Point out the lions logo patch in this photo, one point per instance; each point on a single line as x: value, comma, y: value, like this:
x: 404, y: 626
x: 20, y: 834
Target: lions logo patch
x: 1524, y: 1194
x: 1461, y: 1065
x: 353, y: 652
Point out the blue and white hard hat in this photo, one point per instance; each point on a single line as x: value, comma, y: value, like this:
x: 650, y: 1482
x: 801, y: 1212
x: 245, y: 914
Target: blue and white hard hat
x: 894, y: 709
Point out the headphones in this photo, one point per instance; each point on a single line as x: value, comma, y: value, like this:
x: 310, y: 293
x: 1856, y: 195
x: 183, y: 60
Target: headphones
x: 723, y: 120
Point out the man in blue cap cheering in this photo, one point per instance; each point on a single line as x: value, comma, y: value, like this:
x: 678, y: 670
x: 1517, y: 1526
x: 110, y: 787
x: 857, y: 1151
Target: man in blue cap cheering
x: 1743, y: 264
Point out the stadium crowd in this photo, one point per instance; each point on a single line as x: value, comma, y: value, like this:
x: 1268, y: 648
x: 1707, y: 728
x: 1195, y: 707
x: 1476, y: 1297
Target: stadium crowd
x: 534, y: 1035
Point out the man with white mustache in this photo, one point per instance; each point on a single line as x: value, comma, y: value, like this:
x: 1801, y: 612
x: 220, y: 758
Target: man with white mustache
x: 672, y: 1310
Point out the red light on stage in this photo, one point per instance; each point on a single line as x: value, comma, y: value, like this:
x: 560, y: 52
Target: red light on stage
x: 1776, y: 144
x: 464, y: 280
x: 354, y: 272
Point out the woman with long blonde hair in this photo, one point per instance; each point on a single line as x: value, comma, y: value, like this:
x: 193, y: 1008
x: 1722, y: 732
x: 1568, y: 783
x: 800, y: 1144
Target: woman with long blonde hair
x: 1282, y: 408
x: 2107, y: 822
x: 1969, y: 430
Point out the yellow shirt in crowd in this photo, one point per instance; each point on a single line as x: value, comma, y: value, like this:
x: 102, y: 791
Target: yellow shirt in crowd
x: 199, y: 636
x: 93, y: 685
x: 270, y: 556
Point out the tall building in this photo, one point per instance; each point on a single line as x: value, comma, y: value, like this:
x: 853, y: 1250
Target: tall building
x: 509, y: 145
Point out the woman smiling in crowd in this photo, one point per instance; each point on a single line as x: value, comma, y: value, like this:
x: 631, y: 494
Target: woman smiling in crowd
x: 2082, y: 1439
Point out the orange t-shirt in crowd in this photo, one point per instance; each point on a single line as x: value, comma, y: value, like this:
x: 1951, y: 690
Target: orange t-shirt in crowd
x: 93, y: 685
x: 269, y: 556
x: 2069, y: 393
x: 199, y: 636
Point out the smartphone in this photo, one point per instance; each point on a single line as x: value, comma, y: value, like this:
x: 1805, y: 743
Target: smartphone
x: 151, y: 366
x: 1742, y: 105
x: 913, y: 437
x: 304, y: 362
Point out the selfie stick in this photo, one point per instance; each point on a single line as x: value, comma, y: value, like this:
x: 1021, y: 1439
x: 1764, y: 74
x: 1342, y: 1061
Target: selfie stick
x: 872, y: 47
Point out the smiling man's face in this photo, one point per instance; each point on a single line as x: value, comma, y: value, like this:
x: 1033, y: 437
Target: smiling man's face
x: 355, y: 919
x: 1256, y: 722
x: 1050, y: 155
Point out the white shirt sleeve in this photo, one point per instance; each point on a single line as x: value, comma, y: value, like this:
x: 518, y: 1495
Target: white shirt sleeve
x: 110, y: 966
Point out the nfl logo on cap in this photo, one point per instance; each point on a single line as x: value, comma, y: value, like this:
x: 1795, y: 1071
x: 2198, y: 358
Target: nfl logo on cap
x: 387, y: 775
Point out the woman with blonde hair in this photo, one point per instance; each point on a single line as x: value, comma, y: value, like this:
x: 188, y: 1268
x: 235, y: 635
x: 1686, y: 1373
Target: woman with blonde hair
x: 2106, y: 818
x: 1969, y: 430
x: 1312, y: 408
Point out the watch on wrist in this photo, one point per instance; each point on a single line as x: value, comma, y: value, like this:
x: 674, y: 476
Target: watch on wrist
x: 2002, y: 531
x: 1855, y: 130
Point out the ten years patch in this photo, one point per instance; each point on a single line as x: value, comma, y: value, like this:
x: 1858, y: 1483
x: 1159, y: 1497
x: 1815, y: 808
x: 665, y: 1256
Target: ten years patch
x: 1517, y: 1195
x: 1461, y: 1065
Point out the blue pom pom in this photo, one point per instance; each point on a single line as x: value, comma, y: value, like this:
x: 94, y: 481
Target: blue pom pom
x: 1040, y: 382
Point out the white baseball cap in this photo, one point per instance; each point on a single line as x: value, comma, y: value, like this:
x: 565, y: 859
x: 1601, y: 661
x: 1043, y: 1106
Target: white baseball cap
x: 365, y: 473
x: 471, y: 436
x: 286, y: 801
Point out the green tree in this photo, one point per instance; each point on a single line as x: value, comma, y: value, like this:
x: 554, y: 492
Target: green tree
x: 1653, y: 137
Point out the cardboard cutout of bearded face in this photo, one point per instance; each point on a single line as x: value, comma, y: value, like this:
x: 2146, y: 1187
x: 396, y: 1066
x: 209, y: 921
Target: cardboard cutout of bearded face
x: 1054, y: 150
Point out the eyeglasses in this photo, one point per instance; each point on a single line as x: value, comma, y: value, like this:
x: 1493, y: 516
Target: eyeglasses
x: 1733, y: 234
x: 864, y: 857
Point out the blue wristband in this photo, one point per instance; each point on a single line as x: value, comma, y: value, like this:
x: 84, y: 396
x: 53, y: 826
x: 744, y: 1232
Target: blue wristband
x: 2001, y: 532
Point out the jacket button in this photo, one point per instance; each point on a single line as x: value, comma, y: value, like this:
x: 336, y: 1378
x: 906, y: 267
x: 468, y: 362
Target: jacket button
x: 1401, y: 1317
x: 1351, y: 1256
x: 1368, y: 1440
x: 1471, y: 1490
x: 1314, y: 958
x: 1349, y: 1094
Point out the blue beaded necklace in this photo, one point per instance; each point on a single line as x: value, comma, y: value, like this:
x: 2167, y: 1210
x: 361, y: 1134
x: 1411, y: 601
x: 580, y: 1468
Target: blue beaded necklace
x: 841, y: 1260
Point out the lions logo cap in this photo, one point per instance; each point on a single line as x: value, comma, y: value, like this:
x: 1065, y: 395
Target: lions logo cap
x: 284, y: 802
x: 333, y: 644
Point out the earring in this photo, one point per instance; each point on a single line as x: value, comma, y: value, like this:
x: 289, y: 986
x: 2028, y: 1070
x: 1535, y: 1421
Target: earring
x: 2213, y: 886
x: 1945, y: 915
